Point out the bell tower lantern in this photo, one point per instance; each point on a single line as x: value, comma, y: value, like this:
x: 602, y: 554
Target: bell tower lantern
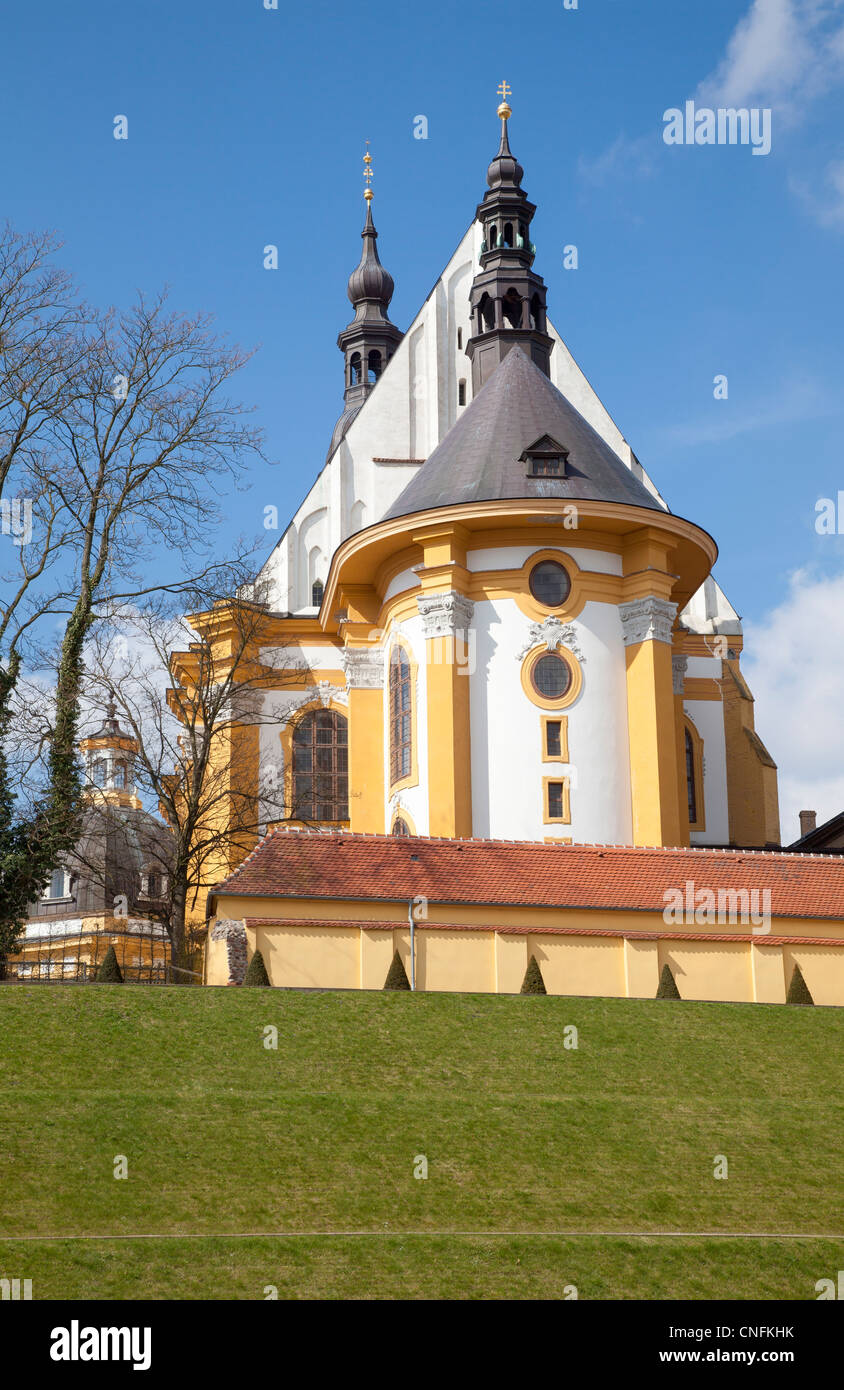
x: 507, y: 297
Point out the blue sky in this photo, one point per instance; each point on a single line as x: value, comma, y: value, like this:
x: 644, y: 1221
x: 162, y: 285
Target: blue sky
x: 247, y: 126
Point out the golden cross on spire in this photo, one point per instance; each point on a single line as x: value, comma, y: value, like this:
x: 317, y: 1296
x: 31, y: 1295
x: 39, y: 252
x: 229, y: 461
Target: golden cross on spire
x: 504, y: 91
x: 367, y: 173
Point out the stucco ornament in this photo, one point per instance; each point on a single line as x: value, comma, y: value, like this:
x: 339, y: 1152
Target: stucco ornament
x: 364, y: 667
x: 445, y: 614
x: 553, y: 634
x: 647, y: 620
x: 323, y: 691
x: 679, y: 666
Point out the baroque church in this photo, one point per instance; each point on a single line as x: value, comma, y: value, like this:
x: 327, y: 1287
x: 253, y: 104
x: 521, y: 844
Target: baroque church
x: 520, y: 685
x: 509, y: 632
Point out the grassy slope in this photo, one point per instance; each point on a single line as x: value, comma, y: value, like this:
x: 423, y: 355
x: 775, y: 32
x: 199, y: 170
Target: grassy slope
x: 224, y: 1136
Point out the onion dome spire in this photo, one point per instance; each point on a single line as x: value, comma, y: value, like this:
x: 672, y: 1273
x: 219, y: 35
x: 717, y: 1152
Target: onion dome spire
x: 505, y: 168
x: 507, y: 299
x: 369, y: 341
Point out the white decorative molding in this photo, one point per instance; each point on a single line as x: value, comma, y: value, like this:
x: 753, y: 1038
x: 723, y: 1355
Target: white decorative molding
x: 364, y: 667
x: 647, y: 620
x: 553, y: 634
x: 323, y: 691
x: 679, y: 666
x: 443, y: 615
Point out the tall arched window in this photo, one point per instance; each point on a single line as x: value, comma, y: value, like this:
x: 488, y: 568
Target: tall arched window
x: 374, y: 366
x: 354, y: 369
x: 321, y: 767
x: 691, y: 781
x: 486, y: 314
x: 401, y: 733
x: 120, y: 774
x: 317, y: 591
x: 100, y: 772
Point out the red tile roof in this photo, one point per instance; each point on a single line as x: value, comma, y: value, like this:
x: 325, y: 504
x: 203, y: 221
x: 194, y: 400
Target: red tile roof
x: 387, y: 868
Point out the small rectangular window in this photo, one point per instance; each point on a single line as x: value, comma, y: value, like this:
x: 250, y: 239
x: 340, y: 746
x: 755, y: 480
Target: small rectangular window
x: 546, y: 467
x: 556, y: 798
x: 461, y: 393
x: 555, y: 738
x: 460, y: 337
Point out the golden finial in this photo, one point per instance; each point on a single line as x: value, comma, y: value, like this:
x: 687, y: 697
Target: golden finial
x: 504, y: 92
x: 367, y: 174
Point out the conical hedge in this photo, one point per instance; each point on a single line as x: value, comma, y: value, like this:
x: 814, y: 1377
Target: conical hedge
x: 109, y: 972
x: 798, y: 990
x: 667, y: 985
x: 533, y: 982
x: 397, y: 975
x: 256, y: 971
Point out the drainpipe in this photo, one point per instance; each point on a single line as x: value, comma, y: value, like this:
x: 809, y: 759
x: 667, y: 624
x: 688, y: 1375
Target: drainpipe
x: 412, y: 920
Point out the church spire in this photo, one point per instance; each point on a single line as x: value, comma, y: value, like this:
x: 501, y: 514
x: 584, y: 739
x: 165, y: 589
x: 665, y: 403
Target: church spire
x: 507, y: 299
x: 369, y: 341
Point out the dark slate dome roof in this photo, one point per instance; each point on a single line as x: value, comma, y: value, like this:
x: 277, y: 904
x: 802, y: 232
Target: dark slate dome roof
x: 480, y: 460
x: 369, y: 279
x: 341, y: 427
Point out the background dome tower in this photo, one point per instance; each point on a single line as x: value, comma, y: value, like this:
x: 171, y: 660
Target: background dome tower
x: 369, y: 341
x: 507, y: 298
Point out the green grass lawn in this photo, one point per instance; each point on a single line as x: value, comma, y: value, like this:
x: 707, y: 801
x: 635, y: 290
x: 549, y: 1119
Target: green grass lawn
x: 530, y: 1146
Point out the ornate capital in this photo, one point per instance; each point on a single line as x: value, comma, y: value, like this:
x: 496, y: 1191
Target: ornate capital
x: 553, y: 634
x: 444, y: 615
x: 647, y: 620
x: 679, y: 666
x: 364, y: 667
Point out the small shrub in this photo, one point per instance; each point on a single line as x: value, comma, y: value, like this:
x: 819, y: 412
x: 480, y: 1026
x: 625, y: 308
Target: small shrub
x: 109, y: 972
x: 533, y: 982
x: 798, y: 990
x: 667, y: 985
x: 396, y: 975
x: 256, y: 971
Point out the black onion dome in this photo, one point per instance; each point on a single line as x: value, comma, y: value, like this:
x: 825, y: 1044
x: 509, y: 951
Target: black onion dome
x: 370, y: 280
x: 505, y: 168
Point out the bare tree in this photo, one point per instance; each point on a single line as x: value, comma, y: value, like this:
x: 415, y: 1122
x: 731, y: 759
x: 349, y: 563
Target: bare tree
x: 122, y: 455
x: 196, y: 712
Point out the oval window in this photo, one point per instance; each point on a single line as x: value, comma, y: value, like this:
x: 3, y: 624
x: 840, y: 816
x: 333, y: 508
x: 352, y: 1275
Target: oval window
x: 549, y: 583
x: 551, y: 676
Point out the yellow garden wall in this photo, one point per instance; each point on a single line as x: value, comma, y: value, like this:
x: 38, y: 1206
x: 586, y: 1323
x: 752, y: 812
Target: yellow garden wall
x: 333, y: 945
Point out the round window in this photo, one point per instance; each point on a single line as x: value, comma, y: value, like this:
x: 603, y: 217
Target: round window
x: 550, y: 583
x: 551, y: 676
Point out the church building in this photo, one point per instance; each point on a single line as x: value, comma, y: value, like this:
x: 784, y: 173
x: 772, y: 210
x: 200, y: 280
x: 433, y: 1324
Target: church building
x: 488, y: 627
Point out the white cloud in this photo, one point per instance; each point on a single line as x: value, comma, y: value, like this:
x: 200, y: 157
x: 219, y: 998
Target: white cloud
x: 794, y: 665
x: 826, y: 201
x: 624, y: 158
x: 798, y: 399
x: 783, y: 54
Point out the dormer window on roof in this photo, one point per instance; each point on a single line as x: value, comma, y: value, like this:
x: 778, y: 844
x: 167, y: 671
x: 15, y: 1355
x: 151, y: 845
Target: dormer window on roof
x: 545, y: 458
